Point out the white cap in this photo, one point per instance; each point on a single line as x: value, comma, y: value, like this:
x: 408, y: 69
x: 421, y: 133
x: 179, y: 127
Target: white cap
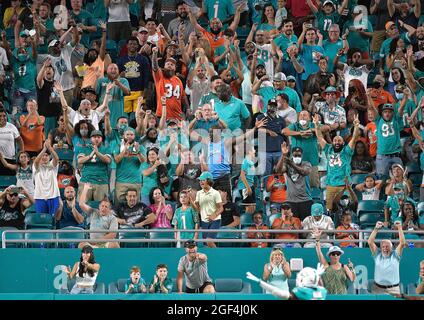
x: 53, y: 43
x: 327, y: 2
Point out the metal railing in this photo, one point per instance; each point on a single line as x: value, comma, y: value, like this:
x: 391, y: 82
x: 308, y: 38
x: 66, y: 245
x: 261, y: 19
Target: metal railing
x: 177, y: 240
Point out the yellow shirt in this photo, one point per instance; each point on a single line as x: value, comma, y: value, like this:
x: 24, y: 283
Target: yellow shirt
x: 8, y: 15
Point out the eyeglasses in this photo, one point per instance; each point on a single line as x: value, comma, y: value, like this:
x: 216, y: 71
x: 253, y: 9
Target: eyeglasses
x: 335, y: 254
x: 330, y: 93
x: 14, y: 194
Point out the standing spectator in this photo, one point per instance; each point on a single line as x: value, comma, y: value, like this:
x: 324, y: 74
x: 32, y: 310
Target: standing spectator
x: 161, y: 283
x: 317, y: 221
x: 26, y: 18
x: 296, y: 171
x: 379, y: 8
x: 48, y: 99
x: 8, y: 136
x: 185, y: 217
x: 11, y: 14
x: 70, y: 214
x: 83, y: 20
x: 398, y: 179
x: 287, y: 222
x: 387, y: 262
x: 99, y: 219
x: 23, y: 169
x: 377, y: 93
x: 59, y: 137
x: 31, y: 129
x: 327, y: 15
x: 333, y: 114
x: 339, y: 156
x: 334, y: 44
x: 163, y: 212
x: 94, y: 160
x: 188, y: 172
x: 181, y: 22
x: 133, y: 213
x: 12, y: 208
x: 292, y: 65
x: 258, y: 224
x: 216, y: 81
x: 285, y: 39
x: 284, y: 110
x: 246, y: 182
x: 230, y: 217
x: 336, y: 274
x: 168, y: 85
x: 223, y: 10
x: 135, y: 284
x: 268, y: 19
x: 136, y: 69
x: 119, y: 22
x: 46, y: 194
x: 194, y: 268
x: 199, y: 81
x: 277, y: 271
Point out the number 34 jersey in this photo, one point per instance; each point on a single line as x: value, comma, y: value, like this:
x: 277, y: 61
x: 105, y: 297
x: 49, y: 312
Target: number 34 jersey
x: 388, y: 134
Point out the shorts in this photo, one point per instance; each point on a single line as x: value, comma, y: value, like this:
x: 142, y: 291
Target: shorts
x: 131, y: 101
x: 249, y: 200
x: 216, y: 224
x: 49, y: 206
x: 199, y: 290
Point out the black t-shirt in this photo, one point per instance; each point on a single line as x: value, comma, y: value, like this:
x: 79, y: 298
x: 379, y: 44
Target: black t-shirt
x: 12, y: 217
x: 48, y: 101
x: 26, y: 18
x: 362, y: 164
x: 133, y: 215
x: 230, y: 210
x: 277, y: 124
x: 189, y: 177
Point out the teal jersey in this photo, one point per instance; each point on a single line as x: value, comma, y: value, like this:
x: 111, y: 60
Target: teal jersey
x: 149, y: 182
x: 318, y: 293
x: 232, y: 112
x: 338, y: 165
x: 309, y: 145
x: 249, y: 169
x: 221, y: 9
x: 223, y: 64
x: 283, y: 42
x: 331, y: 49
x: 116, y: 104
x: 137, y: 287
x: 95, y: 171
x: 25, y: 72
x: 392, y: 203
x: 385, y: 48
x: 268, y: 93
x: 325, y: 21
x: 135, y: 8
x: 407, y: 111
x: 128, y: 170
x: 86, y: 19
x: 266, y: 27
x: 186, y: 219
x: 99, y: 10
x: 207, y: 98
x: 310, y: 56
x: 355, y: 39
x: 388, y: 134
x: 168, y: 284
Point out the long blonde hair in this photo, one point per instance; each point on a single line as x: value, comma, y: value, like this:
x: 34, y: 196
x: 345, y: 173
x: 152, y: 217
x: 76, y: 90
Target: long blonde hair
x: 274, y: 252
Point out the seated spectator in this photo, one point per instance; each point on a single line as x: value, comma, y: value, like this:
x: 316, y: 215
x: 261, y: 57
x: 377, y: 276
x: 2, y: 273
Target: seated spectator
x: 258, y: 224
x: 66, y: 175
x: 370, y: 133
x: 161, y: 283
x: 12, y: 207
x: 99, y: 219
x: 32, y: 129
x: 397, y: 173
x: 420, y: 287
x: 59, y: 137
x: 336, y: 274
x: 23, y: 169
x: 185, y: 217
x: 132, y: 213
x: 357, y: 99
x: 345, y: 202
x: 163, y: 212
x: 393, y: 204
x: 230, y: 217
x: 378, y: 94
x: 46, y: 191
x: 411, y: 222
x: 317, y: 221
x: 277, y: 271
x: 11, y: 14
x: 287, y: 222
x: 370, y: 188
x: 361, y: 161
x: 346, y: 224
x: 70, y: 214
x: 135, y: 284
x: 333, y: 114
x: 149, y: 170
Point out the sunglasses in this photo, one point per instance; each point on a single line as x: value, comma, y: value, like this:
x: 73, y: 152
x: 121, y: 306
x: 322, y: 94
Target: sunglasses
x: 330, y: 94
x: 14, y: 194
x: 335, y: 254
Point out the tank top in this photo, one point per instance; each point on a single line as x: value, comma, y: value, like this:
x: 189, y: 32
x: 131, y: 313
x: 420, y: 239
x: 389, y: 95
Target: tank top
x: 12, y: 217
x: 24, y: 178
x: 86, y: 280
x: 278, y: 278
x: 335, y: 280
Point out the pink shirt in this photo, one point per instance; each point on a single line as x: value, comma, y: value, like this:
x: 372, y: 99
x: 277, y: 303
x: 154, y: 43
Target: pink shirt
x: 161, y: 219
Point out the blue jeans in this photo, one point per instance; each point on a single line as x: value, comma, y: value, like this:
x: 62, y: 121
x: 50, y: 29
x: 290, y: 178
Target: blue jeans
x: 79, y: 290
x: 271, y: 161
x: 384, y: 163
x: 216, y: 224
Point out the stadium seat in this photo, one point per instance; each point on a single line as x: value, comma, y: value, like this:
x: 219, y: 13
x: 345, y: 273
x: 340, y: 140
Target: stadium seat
x: 411, y: 288
x: 228, y: 235
x: 112, y: 49
x: 79, y: 235
x: 232, y: 286
x: 162, y: 235
x: 65, y: 154
x: 99, y: 287
x: 40, y: 236
x: 38, y: 220
x: 273, y: 217
x: 93, y: 204
x: 6, y: 181
x: 370, y: 206
x: 246, y: 220
x: 118, y: 286
x: 370, y: 219
x: 11, y: 236
x: 134, y: 235
x: 358, y: 178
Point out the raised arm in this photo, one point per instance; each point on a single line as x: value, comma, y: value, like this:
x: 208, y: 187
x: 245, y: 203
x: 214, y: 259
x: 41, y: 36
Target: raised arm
x: 83, y: 199
x: 102, y: 52
x: 320, y: 256
x: 343, y: 6
x: 155, y: 65
x: 391, y: 8
x: 356, y: 132
x: 313, y: 8
x: 320, y: 138
x: 233, y: 26
x: 371, y: 239
x: 193, y: 21
x: 402, y: 241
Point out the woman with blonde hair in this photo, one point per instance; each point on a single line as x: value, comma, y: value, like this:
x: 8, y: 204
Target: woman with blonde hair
x: 277, y: 271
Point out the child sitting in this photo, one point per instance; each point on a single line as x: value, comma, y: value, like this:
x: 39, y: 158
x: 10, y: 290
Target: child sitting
x: 346, y: 224
x: 370, y: 188
x: 161, y: 283
x: 135, y: 284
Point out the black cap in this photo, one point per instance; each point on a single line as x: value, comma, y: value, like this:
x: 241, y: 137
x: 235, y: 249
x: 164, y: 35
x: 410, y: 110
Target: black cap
x: 190, y: 244
x: 285, y: 205
x: 272, y: 101
x: 297, y: 149
x: 88, y: 89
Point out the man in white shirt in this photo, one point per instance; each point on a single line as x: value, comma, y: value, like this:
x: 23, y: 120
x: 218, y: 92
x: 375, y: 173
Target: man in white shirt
x: 9, y: 134
x: 316, y: 224
x: 284, y: 110
x: 119, y: 22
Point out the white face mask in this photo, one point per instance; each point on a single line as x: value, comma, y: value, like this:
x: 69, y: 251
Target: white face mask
x: 297, y: 160
x: 303, y: 122
x: 399, y: 96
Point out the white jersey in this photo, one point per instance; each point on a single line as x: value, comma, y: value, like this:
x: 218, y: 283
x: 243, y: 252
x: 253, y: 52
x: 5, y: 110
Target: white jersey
x: 264, y: 53
x: 371, y: 194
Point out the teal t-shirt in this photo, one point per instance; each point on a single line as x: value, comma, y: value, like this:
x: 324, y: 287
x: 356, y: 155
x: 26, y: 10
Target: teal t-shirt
x: 232, y: 112
x: 86, y: 19
x: 99, y: 10
x: 207, y: 98
x: 385, y: 48
x: 338, y: 165
x: 95, y: 171
x: 128, y: 170
x: 388, y: 134
x: 283, y: 42
x: 309, y: 145
x: 221, y: 9
x: 249, y: 169
x: 310, y: 56
x: 355, y: 39
x: 168, y: 284
x: 149, y: 182
x: 303, y: 293
x: 24, y: 72
x: 186, y: 219
x: 137, y: 287
x: 331, y: 49
x: 266, y: 27
x: 268, y: 93
x: 407, y: 111
x: 325, y: 21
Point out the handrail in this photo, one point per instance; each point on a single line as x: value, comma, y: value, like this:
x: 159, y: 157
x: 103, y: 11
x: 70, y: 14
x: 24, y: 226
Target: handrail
x: 178, y: 240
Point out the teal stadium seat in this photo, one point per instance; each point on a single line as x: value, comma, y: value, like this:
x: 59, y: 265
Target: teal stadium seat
x: 112, y: 49
x: 11, y: 236
x: 117, y: 287
x: 65, y: 154
x: 40, y: 236
x: 162, y: 235
x: 413, y: 167
x: 134, y: 235
x: 228, y: 235
x: 370, y: 206
x: 38, y: 220
x: 232, y: 286
x: 246, y: 220
x: 67, y: 236
x: 358, y: 178
x: 6, y: 181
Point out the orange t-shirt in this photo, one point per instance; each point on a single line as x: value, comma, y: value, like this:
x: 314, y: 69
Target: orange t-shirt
x: 93, y: 72
x: 32, y: 133
x: 278, y: 191
x: 173, y: 89
x: 372, y: 138
x: 295, y: 224
x: 345, y: 237
x: 381, y: 97
x: 254, y: 235
x: 214, y: 41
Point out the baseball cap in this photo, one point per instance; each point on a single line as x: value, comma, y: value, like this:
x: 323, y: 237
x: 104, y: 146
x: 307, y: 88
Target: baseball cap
x: 88, y: 89
x: 142, y: 29
x: 389, y: 24
x: 388, y: 106
x: 317, y: 209
x: 328, y: 2
x: 172, y: 60
x: 275, y: 206
x: 272, y: 101
x: 206, y: 175
x: 279, y: 76
x: 285, y: 206
x: 14, y: 189
x: 53, y: 43
x: 398, y: 165
x: 96, y: 133
x: 190, y: 244
x: 291, y: 78
x: 334, y: 249
x: 398, y: 186
x: 24, y: 33
x: 297, y: 149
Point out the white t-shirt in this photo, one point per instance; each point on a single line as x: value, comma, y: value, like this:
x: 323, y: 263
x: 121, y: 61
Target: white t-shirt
x: 46, y: 185
x: 95, y: 117
x: 371, y: 194
x: 350, y: 73
x: 3, y: 57
x: 8, y: 134
x: 289, y: 115
x: 119, y: 11
x: 63, y: 68
x: 246, y: 86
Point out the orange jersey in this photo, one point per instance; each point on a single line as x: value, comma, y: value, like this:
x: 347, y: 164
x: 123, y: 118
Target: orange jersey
x: 372, y: 138
x: 32, y: 133
x: 173, y: 89
x: 345, y: 236
x: 295, y: 224
x: 214, y: 41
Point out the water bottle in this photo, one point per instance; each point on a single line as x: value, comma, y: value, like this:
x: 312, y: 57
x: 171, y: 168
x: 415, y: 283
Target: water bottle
x: 42, y: 245
x: 411, y: 245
